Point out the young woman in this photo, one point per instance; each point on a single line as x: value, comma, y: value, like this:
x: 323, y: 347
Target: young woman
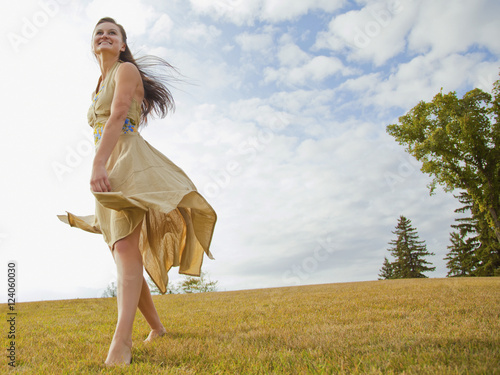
x: 147, y: 209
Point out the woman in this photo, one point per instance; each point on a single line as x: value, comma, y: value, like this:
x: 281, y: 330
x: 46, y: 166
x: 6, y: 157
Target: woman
x: 147, y: 209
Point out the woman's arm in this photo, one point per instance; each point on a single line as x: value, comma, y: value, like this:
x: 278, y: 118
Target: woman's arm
x: 127, y: 79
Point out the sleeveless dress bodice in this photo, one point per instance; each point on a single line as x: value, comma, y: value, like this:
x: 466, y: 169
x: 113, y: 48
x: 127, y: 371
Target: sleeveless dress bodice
x: 100, y: 108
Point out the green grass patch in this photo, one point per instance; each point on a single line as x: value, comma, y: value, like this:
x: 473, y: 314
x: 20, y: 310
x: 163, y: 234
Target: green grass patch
x: 424, y: 326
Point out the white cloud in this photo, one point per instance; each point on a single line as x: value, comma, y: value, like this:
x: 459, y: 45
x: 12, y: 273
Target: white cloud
x: 299, y: 68
x: 237, y: 11
x: 421, y: 79
x: 458, y: 26
x: 291, y: 55
x: 247, y: 12
x: 208, y: 77
x: 382, y: 30
x: 254, y: 42
x: 313, y: 71
x: 278, y: 10
x: 162, y: 28
x: 197, y: 32
x: 374, y: 33
x: 228, y: 48
x: 135, y: 15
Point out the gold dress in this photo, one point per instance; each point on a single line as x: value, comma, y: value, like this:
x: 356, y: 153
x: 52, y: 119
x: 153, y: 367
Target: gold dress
x: 177, y: 222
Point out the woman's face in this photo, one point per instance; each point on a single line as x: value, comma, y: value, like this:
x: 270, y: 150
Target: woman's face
x: 108, y: 39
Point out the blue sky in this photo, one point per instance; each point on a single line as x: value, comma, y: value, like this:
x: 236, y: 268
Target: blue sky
x: 280, y: 123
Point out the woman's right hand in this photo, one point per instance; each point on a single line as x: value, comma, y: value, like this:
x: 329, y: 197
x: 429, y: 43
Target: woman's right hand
x: 99, y: 182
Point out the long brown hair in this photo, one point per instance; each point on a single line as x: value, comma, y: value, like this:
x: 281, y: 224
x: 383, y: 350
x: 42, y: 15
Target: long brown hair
x: 157, y: 96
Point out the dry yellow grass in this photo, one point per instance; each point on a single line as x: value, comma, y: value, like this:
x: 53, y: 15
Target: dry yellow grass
x: 426, y: 326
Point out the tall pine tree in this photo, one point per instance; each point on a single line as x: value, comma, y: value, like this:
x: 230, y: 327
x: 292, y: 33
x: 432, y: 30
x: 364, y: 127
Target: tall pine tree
x: 474, y: 250
x: 387, y: 270
x: 461, y: 258
x: 408, y: 253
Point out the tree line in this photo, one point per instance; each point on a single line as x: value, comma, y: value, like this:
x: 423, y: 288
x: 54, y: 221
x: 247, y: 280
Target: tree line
x: 202, y: 284
x: 458, y: 142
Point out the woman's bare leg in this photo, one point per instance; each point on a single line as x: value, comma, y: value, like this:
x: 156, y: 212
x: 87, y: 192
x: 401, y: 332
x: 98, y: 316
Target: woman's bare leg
x: 129, y: 268
x: 148, y: 309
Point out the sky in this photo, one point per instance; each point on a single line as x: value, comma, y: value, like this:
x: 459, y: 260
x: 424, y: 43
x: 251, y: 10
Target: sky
x: 280, y: 122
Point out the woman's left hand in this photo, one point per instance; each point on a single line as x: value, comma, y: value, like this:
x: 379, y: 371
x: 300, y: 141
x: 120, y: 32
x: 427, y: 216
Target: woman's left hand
x: 99, y: 182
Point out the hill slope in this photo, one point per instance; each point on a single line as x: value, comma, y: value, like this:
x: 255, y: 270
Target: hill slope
x: 402, y: 326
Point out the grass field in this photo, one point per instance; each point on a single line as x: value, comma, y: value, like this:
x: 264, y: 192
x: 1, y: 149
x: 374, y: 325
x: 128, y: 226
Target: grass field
x: 426, y: 326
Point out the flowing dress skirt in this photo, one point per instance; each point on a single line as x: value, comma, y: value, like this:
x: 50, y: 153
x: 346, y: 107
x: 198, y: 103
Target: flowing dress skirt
x: 177, y: 223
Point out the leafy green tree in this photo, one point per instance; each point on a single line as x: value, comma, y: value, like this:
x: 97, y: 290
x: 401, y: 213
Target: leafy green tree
x: 387, y: 270
x: 190, y: 284
x: 154, y: 290
x: 408, y: 252
x: 111, y: 290
x: 458, y: 143
x: 198, y: 285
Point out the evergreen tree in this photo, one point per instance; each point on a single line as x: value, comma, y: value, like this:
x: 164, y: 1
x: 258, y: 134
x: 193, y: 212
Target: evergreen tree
x: 387, y: 270
x: 474, y: 250
x: 488, y: 252
x: 461, y: 259
x: 408, y: 252
x: 464, y: 242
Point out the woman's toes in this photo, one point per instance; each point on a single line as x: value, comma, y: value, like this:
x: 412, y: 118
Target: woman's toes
x: 154, y: 334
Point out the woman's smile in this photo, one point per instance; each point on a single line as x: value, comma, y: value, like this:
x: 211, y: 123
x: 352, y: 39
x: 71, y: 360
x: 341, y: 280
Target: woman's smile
x: 106, y: 36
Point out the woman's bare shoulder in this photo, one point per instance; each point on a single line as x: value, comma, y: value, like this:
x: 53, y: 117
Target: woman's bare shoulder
x: 127, y: 70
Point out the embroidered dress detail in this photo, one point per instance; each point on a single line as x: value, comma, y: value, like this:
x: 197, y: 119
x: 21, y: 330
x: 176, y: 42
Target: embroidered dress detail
x: 97, y: 95
x: 98, y: 127
x: 128, y: 127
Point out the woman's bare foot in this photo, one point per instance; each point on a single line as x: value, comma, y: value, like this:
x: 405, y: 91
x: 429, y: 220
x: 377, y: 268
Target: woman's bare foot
x: 155, y: 333
x: 120, y: 353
